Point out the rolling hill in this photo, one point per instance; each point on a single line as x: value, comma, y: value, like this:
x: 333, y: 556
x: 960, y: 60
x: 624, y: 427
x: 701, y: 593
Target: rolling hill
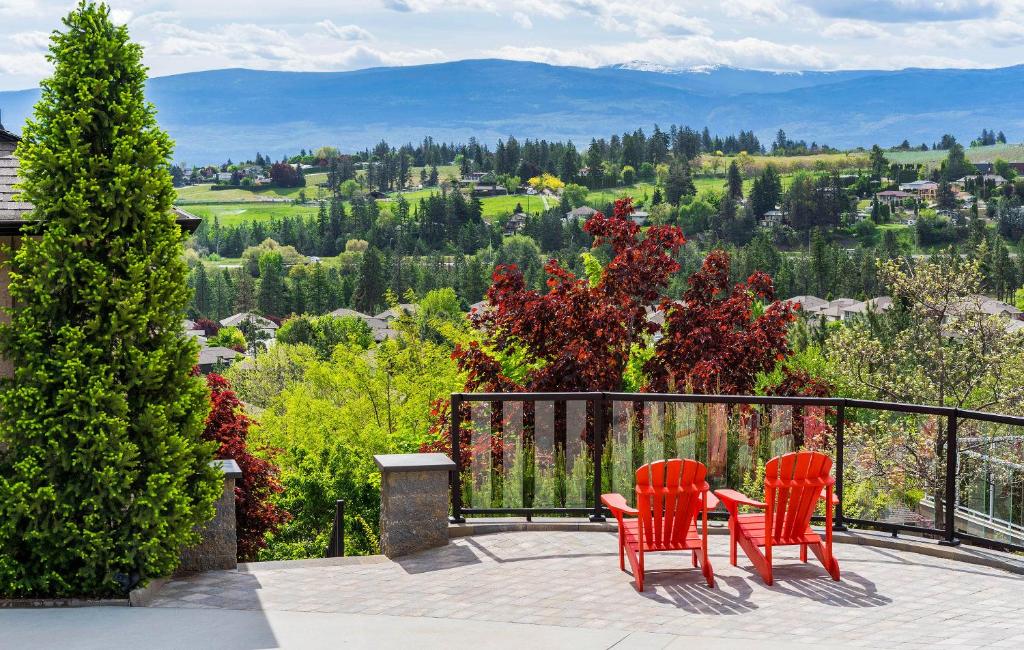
x: 233, y: 113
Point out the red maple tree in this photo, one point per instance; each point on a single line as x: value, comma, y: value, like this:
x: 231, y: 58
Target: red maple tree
x: 712, y: 341
x: 255, y: 513
x: 578, y: 335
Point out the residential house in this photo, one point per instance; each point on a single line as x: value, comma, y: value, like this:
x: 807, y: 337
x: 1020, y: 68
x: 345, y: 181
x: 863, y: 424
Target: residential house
x: 877, y: 305
x: 372, y: 322
x: 833, y: 311
x: 15, y: 214
x: 639, y: 217
x: 515, y: 223
x: 921, y: 189
x: 489, y: 190
x: 264, y: 325
x: 893, y: 198
x: 994, y: 180
x: 807, y: 304
x: 583, y: 212
x: 404, y: 309
x: 211, y: 359
x: 979, y: 304
x: 772, y: 218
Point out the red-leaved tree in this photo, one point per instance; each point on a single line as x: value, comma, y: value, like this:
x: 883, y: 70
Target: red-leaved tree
x: 255, y: 513
x: 577, y: 336
x: 712, y: 341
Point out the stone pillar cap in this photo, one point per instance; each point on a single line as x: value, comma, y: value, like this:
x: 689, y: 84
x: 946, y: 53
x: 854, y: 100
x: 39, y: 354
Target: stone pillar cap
x: 229, y: 467
x: 413, y: 462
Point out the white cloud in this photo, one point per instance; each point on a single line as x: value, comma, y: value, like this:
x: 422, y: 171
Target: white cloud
x: 899, y: 11
x: 19, y: 8
x: 763, y: 10
x: 522, y: 20
x: 27, y: 63
x: 344, y: 32
x: 858, y: 29
x: 35, y: 40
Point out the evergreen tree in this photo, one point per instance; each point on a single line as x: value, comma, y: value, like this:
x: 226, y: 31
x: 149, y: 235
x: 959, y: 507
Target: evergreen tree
x: 201, y: 292
x: 272, y: 297
x: 679, y: 183
x: 735, y: 181
x: 103, y: 475
x: 369, y: 290
x: 245, y: 292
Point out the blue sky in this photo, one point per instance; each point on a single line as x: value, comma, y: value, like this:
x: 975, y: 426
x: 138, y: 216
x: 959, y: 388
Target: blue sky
x: 323, y: 35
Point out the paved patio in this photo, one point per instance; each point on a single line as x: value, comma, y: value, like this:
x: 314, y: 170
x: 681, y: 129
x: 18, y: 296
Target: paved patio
x: 571, y: 579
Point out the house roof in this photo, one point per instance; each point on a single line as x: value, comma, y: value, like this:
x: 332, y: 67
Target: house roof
x: 373, y: 322
x: 895, y: 193
x: 15, y: 214
x: 215, y: 355
x: 237, y: 319
x: 919, y: 184
x: 807, y: 303
x: 582, y: 211
x: 396, y: 312
x: 877, y: 305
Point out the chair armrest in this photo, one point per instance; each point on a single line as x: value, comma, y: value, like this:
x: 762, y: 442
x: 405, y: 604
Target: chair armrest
x: 824, y: 495
x: 617, y: 504
x: 712, y: 499
x: 732, y: 498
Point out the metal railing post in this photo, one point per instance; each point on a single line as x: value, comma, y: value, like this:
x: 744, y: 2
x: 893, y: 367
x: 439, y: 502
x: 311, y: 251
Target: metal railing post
x: 599, y: 435
x: 950, y: 492
x: 336, y: 547
x: 838, y: 525
x: 456, y: 483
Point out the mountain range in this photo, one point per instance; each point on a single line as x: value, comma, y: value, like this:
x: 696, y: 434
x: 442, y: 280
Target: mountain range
x: 216, y: 114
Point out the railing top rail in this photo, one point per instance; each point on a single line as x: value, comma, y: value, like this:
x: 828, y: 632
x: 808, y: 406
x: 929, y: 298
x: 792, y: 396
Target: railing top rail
x: 922, y: 409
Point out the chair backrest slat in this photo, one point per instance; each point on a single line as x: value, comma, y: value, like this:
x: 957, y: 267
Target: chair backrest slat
x: 668, y: 497
x: 793, y: 484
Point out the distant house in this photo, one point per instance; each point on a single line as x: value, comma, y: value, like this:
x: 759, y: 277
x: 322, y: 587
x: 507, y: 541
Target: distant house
x: 15, y: 214
x: 639, y: 217
x: 772, y: 218
x: 893, y: 198
x: 583, y: 212
x: 223, y: 177
x: 515, y: 223
x: 993, y: 179
x: 373, y: 322
x: 921, y: 189
x: 489, y: 190
x: 473, y: 177
x: 834, y: 310
x: 404, y: 309
x: 377, y: 195
x: 807, y: 304
x: 979, y: 304
x: 264, y: 325
x: 211, y: 358
x: 877, y: 305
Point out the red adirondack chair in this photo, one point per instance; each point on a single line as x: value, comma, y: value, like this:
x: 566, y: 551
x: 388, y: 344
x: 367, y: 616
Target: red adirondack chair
x: 793, y: 485
x: 669, y: 496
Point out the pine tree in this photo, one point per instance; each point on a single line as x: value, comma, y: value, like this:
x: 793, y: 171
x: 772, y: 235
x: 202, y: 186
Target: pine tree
x: 103, y: 475
x: 369, y: 290
x: 272, y: 299
x: 201, y: 293
x: 735, y: 182
x: 245, y: 292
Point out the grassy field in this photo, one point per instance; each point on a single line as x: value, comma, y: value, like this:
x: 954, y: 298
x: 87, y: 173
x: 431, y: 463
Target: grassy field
x: 1008, y: 152
x: 205, y: 194
x: 824, y: 161
x: 232, y: 214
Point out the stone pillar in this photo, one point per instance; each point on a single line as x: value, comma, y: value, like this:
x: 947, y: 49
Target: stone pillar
x: 413, y: 502
x: 218, y: 548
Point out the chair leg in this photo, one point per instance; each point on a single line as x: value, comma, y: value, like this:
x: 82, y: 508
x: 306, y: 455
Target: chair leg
x: 803, y: 553
x: 622, y: 553
x: 732, y: 543
x: 827, y: 560
x: 694, y: 558
x: 709, y: 573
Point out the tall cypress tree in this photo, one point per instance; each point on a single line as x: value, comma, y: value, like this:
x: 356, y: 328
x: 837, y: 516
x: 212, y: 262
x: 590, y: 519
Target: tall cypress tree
x: 103, y: 475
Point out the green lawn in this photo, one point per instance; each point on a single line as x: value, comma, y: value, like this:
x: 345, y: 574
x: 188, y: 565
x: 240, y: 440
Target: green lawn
x: 205, y: 194
x: 1008, y: 152
x: 232, y: 214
